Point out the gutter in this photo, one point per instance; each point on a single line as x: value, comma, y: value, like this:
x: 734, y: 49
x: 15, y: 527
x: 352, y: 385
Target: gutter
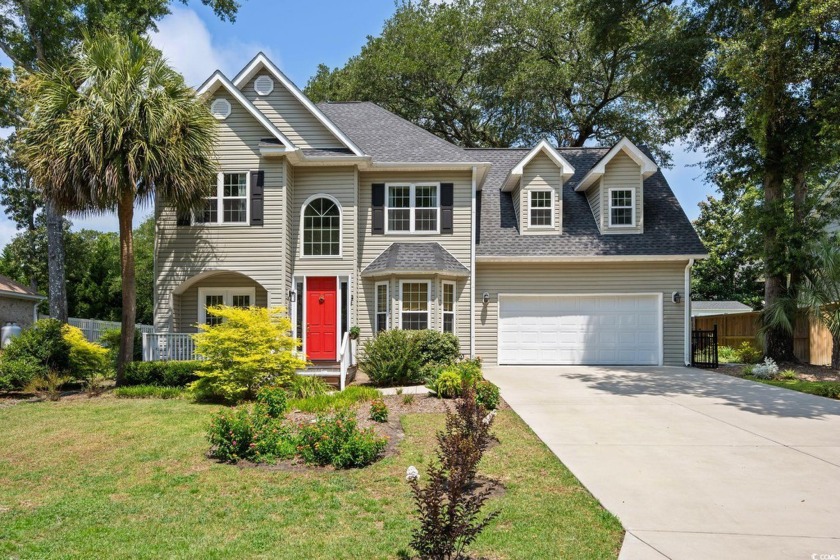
x: 688, y: 312
x: 584, y: 259
x: 18, y: 295
x: 472, y: 266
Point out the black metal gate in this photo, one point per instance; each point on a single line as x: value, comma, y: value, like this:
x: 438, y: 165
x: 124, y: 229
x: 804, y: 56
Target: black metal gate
x: 704, y: 348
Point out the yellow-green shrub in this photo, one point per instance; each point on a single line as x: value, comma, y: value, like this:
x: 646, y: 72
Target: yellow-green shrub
x: 250, y: 348
x: 87, y: 359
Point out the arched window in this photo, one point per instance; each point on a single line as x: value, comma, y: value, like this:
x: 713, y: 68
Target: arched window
x: 321, y: 228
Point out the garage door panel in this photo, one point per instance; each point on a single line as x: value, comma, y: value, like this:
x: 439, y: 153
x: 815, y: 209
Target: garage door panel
x: 592, y: 329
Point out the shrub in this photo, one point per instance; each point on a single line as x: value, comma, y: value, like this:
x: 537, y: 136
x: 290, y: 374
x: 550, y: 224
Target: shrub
x: 727, y: 355
x: 110, y: 339
x: 273, y: 400
x: 435, y: 347
x: 408, y: 399
x: 273, y: 439
x: 249, y: 349
x: 448, y: 384
x: 161, y: 373
x: 42, y: 343
x: 448, y: 508
x: 338, y: 400
x: 231, y: 434
x: 787, y: 374
x: 18, y: 373
x: 767, y: 370
x: 747, y: 370
x: 48, y: 385
x: 86, y: 359
x: 307, y: 386
x: 148, y: 392
x: 378, y: 411
x: 487, y: 394
x: 390, y: 358
x: 748, y: 354
x: 829, y: 389
x: 336, y: 440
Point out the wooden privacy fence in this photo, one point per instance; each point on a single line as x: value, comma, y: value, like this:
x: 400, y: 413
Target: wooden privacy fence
x: 811, y: 340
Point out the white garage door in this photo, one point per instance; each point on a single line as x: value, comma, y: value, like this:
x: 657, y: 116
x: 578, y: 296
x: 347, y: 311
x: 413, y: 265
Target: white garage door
x: 590, y: 329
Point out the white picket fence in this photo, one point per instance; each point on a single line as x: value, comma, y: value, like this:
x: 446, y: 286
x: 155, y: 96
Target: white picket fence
x: 168, y: 346
x: 93, y: 328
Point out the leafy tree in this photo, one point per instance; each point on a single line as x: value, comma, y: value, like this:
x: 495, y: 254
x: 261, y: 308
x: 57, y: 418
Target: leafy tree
x: 496, y: 73
x: 133, y: 132
x: 733, y: 269
x: 767, y: 114
x: 39, y: 33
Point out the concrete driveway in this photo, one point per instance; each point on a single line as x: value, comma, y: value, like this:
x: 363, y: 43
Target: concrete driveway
x: 696, y: 465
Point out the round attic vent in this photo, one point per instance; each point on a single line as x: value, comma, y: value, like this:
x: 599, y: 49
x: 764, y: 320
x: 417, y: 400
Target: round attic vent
x: 220, y: 109
x: 264, y: 85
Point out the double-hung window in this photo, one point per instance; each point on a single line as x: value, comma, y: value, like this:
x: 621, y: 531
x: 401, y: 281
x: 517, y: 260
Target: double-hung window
x: 227, y: 200
x: 415, y: 305
x: 448, y: 306
x: 209, y: 297
x: 382, y: 307
x: 622, y: 207
x: 413, y: 208
x: 540, y: 209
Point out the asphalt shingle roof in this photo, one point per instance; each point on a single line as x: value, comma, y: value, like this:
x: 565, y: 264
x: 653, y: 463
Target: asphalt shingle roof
x: 667, y: 230
x: 415, y: 257
x: 387, y: 137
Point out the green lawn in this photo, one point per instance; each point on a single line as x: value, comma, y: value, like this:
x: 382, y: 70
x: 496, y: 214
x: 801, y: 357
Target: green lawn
x: 112, y: 478
x: 830, y: 389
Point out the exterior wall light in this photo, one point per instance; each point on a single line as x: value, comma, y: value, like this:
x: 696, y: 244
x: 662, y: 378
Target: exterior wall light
x: 676, y: 297
x: 486, y: 298
x: 292, y: 296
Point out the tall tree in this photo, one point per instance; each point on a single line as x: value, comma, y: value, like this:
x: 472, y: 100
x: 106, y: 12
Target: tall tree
x: 35, y: 33
x: 497, y: 73
x: 131, y: 131
x: 21, y: 201
x: 767, y: 114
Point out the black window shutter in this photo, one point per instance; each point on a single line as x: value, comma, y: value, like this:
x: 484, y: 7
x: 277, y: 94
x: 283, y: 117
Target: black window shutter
x: 257, y: 197
x: 447, y: 197
x: 378, y: 209
x: 183, y: 218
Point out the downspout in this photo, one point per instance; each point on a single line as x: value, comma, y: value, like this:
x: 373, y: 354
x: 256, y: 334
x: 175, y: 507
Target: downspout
x: 688, y: 312
x: 472, y: 268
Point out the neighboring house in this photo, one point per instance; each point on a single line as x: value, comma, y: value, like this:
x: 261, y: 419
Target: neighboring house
x: 18, y: 304
x: 347, y: 214
x: 706, y: 308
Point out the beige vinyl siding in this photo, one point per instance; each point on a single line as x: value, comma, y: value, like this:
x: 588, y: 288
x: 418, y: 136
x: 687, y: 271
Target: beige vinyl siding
x: 289, y: 221
x: 593, y: 195
x: 257, y: 252
x: 186, y: 304
x: 291, y: 117
x: 580, y: 278
x: 457, y: 243
x: 622, y: 172
x: 340, y: 183
x: 541, y: 174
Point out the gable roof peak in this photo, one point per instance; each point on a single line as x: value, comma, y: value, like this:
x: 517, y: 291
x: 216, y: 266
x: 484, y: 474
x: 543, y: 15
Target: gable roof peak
x: 542, y: 147
x: 647, y: 165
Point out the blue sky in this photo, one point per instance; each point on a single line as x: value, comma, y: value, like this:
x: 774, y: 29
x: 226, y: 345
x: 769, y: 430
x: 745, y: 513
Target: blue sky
x: 298, y: 36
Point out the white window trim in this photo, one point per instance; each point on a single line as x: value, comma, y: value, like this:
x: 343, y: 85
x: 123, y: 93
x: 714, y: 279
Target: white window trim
x: 551, y: 208
x: 632, y: 190
x: 428, y: 301
x: 377, y: 311
x: 220, y: 205
x: 227, y: 295
x: 443, y: 311
x: 264, y: 77
x: 411, y: 208
x: 223, y: 110
x: 335, y: 201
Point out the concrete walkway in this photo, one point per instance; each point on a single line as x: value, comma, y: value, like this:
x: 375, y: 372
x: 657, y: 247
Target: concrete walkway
x: 696, y: 465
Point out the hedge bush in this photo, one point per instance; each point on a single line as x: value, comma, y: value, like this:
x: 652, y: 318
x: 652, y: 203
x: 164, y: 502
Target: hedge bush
x: 399, y: 357
x: 337, y: 441
x: 161, y: 373
x: 434, y: 347
x: 18, y: 373
x: 43, y: 343
x: 86, y: 359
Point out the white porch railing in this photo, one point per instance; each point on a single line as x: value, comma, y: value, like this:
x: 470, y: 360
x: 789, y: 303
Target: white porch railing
x: 177, y: 347
x: 345, y: 358
x: 93, y: 328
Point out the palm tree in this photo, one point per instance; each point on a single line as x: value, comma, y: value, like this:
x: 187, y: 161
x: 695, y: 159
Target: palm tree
x: 820, y: 292
x: 115, y: 128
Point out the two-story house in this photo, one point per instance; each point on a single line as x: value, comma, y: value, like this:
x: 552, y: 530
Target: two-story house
x: 346, y: 214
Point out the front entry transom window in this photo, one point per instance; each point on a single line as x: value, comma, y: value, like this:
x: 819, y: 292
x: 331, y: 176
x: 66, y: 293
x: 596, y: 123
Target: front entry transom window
x: 321, y: 228
x: 414, y: 305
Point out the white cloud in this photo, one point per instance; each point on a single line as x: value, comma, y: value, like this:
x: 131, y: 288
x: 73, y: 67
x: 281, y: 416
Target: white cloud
x: 192, y: 50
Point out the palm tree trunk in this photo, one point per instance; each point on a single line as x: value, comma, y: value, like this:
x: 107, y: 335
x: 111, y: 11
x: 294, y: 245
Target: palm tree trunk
x: 125, y: 213
x: 55, y: 263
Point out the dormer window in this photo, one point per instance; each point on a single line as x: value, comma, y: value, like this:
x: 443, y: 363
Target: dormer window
x: 541, y: 209
x: 622, y: 207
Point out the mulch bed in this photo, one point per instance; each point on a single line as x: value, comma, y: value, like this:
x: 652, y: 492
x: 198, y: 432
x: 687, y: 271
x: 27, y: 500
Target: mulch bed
x: 805, y: 372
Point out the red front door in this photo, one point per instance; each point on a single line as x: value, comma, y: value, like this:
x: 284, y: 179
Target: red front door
x: 321, y: 295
